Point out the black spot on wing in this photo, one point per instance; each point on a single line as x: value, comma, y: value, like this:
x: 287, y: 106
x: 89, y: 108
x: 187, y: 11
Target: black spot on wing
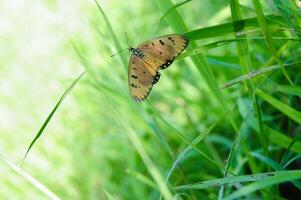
x: 161, y: 42
x: 133, y: 76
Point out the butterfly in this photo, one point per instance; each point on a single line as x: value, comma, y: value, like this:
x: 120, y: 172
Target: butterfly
x: 150, y: 57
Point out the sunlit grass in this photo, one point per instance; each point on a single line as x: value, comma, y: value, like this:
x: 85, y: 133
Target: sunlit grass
x: 222, y: 123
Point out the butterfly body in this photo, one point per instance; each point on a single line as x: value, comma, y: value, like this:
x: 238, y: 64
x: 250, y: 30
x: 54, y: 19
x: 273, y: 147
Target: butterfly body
x: 150, y: 57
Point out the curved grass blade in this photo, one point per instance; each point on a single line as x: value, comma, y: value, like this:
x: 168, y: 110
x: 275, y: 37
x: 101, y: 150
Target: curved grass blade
x: 38, y: 185
x: 38, y: 135
x: 292, y: 160
x: 272, y: 179
x: 286, y: 154
x: 274, y: 165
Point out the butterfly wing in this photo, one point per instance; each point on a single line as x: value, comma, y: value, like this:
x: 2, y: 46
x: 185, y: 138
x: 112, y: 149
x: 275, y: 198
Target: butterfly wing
x: 162, y: 51
x: 141, y: 77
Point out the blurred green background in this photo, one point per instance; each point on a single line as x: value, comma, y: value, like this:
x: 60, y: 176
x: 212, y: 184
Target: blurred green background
x: 99, y: 144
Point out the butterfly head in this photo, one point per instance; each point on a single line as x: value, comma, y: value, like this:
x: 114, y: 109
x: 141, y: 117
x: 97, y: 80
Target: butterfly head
x: 137, y: 52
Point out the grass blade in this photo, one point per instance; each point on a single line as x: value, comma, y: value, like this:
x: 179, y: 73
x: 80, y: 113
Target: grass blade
x: 289, y: 89
x: 172, y: 9
x: 231, y: 28
x: 110, y: 28
x: 262, y: 179
x: 38, y: 135
x: 38, y: 185
x: 282, y: 107
x: 274, y: 178
x: 274, y: 165
x: 256, y: 73
x: 268, y: 37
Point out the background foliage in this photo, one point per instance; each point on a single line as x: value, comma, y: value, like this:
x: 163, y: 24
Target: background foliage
x: 223, y: 121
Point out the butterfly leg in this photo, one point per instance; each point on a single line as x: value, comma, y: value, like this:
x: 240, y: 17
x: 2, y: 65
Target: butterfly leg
x: 156, y: 77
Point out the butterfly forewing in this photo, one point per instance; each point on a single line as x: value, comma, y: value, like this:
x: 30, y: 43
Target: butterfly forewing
x: 141, y: 76
x: 163, y: 50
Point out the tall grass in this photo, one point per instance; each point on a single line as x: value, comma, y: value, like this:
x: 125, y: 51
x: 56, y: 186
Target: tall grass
x: 222, y: 123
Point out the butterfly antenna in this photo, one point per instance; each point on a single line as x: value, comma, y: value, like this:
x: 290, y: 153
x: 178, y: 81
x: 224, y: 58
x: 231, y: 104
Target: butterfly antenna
x: 119, y: 52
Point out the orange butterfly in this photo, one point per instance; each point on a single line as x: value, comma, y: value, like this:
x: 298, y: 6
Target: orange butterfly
x: 150, y: 57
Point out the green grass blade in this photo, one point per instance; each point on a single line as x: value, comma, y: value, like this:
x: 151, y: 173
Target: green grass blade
x: 274, y: 165
x: 296, y: 157
x: 275, y: 178
x: 137, y: 143
x: 282, y: 140
x: 44, y: 125
x: 286, y: 154
x: 231, y: 28
x: 112, y: 33
x: 38, y: 185
x: 171, y: 9
x: 289, y: 89
x: 282, y: 107
x: 220, y: 43
x: 182, y: 135
x: 268, y: 37
x: 142, y: 178
x: 256, y: 73
x: 149, y: 164
x: 290, y: 14
x: 195, y: 141
x: 261, y: 180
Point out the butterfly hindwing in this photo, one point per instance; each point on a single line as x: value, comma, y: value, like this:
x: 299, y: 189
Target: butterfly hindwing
x: 141, y: 78
x: 164, y: 50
